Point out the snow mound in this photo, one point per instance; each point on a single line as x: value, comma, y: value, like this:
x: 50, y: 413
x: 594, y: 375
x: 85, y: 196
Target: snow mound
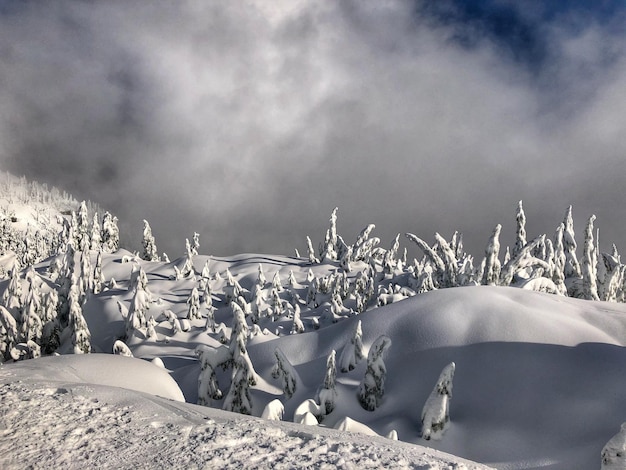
x: 101, y: 369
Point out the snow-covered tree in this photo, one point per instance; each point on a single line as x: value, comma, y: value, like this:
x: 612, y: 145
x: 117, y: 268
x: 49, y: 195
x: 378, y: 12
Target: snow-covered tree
x: 96, y: 234
x: 140, y: 303
x: 193, y: 302
x: 558, y: 269
x: 110, y: 233
x: 51, y: 333
x: 372, y: 387
x: 590, y: 263
x: 436, y: 411
x: 311, y: 252
x: 328, y: 393
x: 491, y: 272
x: 8, y: 333
x: 210, y: 359
x: 329, y: 249
x: 284, y: 371
x: 98, y: 276
x: 572, y: 267
x: 238, y: 399
x: 352, y: 352
x: 150, y: 252
x: 82, y: 228
x: 12, y: 297
x: 520, y: 234
x: 273, y: 411
x: 297, y: 326
x: 121, y: 349
x: 81, y: 337
x: 613, y: 456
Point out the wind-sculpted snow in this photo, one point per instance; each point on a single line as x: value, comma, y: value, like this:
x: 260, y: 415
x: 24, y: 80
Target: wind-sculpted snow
x: 59, y: 425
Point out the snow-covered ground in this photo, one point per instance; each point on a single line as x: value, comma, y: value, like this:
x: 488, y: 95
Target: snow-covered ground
x: 57, y: 414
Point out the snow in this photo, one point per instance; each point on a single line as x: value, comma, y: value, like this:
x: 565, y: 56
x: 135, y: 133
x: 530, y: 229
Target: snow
x: 537, y: 377
x: 82, y: 425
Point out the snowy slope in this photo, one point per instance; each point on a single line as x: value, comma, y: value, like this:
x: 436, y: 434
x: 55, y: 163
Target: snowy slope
x: 538, y: 375
x: 56, y: 422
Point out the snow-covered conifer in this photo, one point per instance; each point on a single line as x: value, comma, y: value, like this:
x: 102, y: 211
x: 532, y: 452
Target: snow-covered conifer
x: 589, y: 264
x: 121, y: 349
x: 273, y: 411
x: 195, y: 247
x: 261, y: 280
x: 98, y: 276
x: 81, y: 337
x: 276, y: 282
x: 328, y: 393
x: 12, y: 297
x: 447, y: 255
x: 110, y: 233
x: 438, y: 264
x: 210, y: 359
x: 372, y: 387
x: 436, y: 412
x: 82, y: 228
x: 51, y: 333
x: 352, y: 352
x: 297, y: 326
x: 329, y: 250
x: 558, y: 270
x: 520, y: 234
x: 238, y: 399
x: 150, y: 252
x: 96, y: 234
x: 492, y: 263
x: 140, y: 303
x: 613, y: 455
x: 150, y: 330
x: 8, y: 333
x: 312, y: 258
x: 193, y: 302
x: 284, y: 371
x: 85, y: 281
x: 572, y: 267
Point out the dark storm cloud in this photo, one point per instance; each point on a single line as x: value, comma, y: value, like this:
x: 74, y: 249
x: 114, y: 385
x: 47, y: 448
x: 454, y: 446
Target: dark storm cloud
x: 249, y: 122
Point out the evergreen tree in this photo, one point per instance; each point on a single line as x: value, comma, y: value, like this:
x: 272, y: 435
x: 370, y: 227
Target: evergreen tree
x: 238, y: 399
x: 8, y: 333
x: 372, y: 387
x: 436, y: 413
x: 82, y: 228
x: 589, y: 265
x: 572, y: 267
x: 121, y: 349
x: 328, y: 393
x: 285, y: 371
x: 98, y: 277
x: 492, y: 263
x: 150, y: 252
x: 110, y: 233
x: 96, y: 233
x: 193, y: 312
x: 352, y: 352
x: 81, y: 337
x: 520, y: 235
x: 297, y: 326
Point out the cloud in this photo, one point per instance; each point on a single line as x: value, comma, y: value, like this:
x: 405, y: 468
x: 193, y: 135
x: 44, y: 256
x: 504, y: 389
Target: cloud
x: 249, y: 123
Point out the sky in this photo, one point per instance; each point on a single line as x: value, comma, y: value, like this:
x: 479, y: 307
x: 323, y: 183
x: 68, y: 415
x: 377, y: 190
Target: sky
x: 249, y: 121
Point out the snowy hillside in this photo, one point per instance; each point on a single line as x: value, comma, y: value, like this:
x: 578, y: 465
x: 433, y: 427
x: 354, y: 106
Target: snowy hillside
x: 83, y: 425
x: 471, y: 361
